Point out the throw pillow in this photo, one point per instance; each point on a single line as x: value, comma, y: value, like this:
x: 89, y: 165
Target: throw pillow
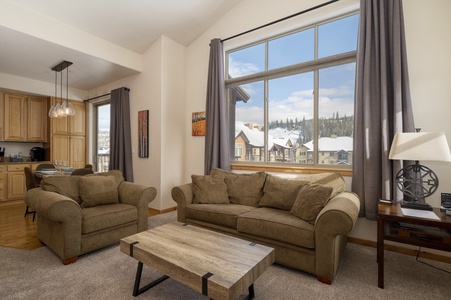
x: 98, y: 190
x: 63, y: 185
x: 310, y: 201
x: 115, y: 173
x: 209, y: 190
x: 244, y: 189
x: 280, y: 192
x: 334, y: 180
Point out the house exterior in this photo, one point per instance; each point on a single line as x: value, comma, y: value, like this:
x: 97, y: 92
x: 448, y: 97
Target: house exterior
x: 334, y: 150
x: 249, y: 146
x: 250, y: 141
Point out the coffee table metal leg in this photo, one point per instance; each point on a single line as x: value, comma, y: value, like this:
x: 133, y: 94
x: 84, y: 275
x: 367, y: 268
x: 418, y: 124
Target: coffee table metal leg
x: 251, y: 293
x: 136, y: 289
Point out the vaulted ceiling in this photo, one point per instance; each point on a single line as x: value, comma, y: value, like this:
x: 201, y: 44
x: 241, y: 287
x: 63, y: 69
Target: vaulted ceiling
x: 105, y: 39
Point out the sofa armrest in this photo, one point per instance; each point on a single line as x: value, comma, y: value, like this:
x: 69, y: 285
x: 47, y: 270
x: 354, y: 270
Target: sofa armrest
x: 140, y: 196
x: 54, y: 206
x: 183, y: 195
x: 332, y: 225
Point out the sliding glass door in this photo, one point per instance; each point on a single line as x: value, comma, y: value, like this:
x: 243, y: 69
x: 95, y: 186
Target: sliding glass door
x: 102, y: 139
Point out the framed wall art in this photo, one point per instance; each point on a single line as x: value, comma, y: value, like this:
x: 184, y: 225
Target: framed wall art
x: 198, y: 123
x: 143, y: 133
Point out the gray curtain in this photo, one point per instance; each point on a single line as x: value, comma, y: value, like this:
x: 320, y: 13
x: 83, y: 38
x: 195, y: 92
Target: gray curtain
x: 382, y: 102
x: 217, y: 153
x: 120, y: 133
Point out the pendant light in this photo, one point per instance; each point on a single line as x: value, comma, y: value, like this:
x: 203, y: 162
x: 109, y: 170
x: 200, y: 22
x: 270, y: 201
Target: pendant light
x: 63, y: 108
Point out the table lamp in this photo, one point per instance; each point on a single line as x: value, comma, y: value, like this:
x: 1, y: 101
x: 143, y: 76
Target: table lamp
x: 417, y: 181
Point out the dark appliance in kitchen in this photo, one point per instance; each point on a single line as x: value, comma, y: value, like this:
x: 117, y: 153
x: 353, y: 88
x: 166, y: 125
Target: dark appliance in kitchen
x: 37, y: 154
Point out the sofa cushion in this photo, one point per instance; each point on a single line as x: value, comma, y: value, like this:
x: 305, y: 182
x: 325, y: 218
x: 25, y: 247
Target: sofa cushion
x: 334, y: 180
x: 107, y: 216
x: 209, y: 189
x: 310, y: 201
x: 278, y: 225
x: 245, y: 189
x: 63, y: 185
x: 280, y: 192
x: 98, y: 190
x: 219, y: 214
x: 115, y: 173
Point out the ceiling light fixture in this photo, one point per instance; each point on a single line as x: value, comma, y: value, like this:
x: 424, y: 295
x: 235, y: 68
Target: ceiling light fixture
x: 62, y: 108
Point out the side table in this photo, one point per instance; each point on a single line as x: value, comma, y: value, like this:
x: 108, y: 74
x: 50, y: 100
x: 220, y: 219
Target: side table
x: 393, y: 225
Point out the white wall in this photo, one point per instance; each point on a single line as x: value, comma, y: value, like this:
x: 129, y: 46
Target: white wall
x: 429, y: 55
x: 172, y: 114
x: 160, y: 88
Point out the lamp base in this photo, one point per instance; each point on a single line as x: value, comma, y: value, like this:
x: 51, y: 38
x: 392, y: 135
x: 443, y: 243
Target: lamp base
x: 416, y: 205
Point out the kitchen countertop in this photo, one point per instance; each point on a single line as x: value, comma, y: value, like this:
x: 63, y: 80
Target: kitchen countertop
x: 24, y: 162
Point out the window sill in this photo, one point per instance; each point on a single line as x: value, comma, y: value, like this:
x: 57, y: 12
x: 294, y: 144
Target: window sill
x: 291, y: 169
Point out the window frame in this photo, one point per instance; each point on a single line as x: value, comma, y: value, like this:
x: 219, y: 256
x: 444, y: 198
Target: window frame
x: 314, y: 66
x: 94, y: 105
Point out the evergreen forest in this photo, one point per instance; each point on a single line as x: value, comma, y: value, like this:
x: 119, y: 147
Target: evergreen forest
x: 335, y: 125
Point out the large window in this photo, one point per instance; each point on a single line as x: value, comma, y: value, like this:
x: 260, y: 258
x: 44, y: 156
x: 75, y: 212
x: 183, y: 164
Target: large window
x: 291, y: 97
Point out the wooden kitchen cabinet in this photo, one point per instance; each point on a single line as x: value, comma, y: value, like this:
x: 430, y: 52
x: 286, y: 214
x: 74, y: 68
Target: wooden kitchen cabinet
x: 13, y: 185
x: 14, y: 118
x: 60, y: 148
x: 16, y: 181
x: 2, y: 183
x: 23, y: 118
x: 37, y: 116
x: 74, y: 125
x: 68, y: 137
x: 78, y: 152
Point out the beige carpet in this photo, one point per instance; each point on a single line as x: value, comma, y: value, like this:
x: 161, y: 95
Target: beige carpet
x: 109, y: 274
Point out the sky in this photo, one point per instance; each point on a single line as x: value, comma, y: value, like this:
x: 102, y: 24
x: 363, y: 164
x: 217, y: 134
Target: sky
x: 103, y: 117
x: 292, y: 96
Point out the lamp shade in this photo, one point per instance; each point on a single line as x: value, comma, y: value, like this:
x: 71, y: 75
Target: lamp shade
x: 424, y: 146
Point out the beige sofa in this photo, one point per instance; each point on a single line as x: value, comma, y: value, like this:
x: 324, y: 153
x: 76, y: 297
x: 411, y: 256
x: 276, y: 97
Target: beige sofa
x: 80, y: 214
x: 306, y: 219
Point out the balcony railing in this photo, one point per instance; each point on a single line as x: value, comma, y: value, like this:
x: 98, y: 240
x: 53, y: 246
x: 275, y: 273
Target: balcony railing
x: 103, y: 162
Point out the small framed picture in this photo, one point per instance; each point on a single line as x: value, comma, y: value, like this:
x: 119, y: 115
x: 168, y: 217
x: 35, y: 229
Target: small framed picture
x: 143, y: 133
x: 198, y: 123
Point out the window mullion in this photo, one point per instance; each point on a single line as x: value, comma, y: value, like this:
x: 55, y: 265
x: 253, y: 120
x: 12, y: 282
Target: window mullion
x: 265, y: 108
x: 266, y: 116
x: 315, y: 104
x: 315, y: 119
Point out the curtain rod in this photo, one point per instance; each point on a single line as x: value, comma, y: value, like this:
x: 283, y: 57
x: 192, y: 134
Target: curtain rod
x: 96, y: 97
x: 280, y: 20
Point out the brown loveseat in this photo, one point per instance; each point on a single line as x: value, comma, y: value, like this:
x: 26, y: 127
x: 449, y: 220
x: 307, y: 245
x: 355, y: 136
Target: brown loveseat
x: 80, y: 214
x: 306, y: 219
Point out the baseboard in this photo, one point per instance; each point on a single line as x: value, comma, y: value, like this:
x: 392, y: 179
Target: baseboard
x: 403, y: 250
x: 153, y: 211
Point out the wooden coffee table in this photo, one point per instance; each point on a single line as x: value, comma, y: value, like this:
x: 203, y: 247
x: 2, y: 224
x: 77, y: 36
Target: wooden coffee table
x: 214, y: 264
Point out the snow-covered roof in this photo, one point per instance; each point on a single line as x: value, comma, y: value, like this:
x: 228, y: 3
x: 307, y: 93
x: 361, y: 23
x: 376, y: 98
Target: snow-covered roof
x: 256, y: 137
x: 333, y: 143
x: 283, y: 142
